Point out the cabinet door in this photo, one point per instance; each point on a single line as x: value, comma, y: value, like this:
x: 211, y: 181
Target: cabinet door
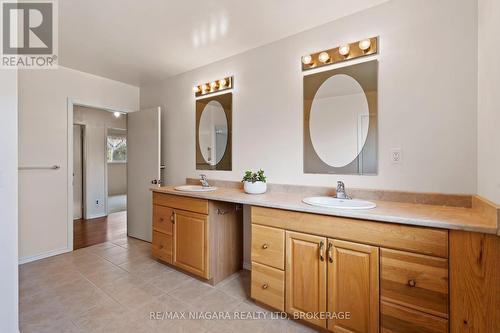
x: 191, y: 242
x: 353, y: 287
x: 306, y: 277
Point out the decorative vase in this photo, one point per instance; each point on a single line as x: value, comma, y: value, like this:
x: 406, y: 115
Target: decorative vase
x: 255, y: 188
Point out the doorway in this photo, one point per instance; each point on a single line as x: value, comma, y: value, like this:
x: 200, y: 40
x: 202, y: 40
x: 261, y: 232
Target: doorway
x: 99, y: 176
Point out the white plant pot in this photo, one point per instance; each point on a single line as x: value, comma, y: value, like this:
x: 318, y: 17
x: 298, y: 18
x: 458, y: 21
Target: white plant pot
x: 255, y: 188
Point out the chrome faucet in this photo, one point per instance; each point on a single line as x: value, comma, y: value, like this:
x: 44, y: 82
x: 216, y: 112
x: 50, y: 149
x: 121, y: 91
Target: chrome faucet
x: 204, y: 181
x: 341, y: 191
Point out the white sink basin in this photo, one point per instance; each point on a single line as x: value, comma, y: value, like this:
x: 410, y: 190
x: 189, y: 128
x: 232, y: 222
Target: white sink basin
x: 195, y: 188
x: 331, y: 202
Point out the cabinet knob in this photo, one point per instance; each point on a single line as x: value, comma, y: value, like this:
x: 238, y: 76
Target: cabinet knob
x: 265, y: 286
x: 161, y: 219
x: 172, y: 218
x: 412, y: 283
x: 265, y: 246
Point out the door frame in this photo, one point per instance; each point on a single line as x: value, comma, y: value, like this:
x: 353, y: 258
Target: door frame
x: 84, y: 167
x: 70, y: 104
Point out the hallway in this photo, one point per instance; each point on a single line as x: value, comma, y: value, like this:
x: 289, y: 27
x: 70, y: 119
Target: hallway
x: 99, y: 230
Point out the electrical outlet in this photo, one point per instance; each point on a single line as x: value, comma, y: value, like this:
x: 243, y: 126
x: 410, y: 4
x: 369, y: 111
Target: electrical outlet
x: 396, y: 155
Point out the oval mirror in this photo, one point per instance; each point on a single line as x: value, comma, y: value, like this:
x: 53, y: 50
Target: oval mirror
x: 212, y: 132
x: 339, y: 120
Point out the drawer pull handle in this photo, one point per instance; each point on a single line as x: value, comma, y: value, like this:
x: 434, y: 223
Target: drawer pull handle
x: 321, y: 251
x: 330, y: 253
x: 265, y: 286
x: 412, y: 283
x: 265, y: 246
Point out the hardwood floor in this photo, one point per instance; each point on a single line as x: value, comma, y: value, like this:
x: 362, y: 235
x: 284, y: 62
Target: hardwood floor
x: 99, y: 230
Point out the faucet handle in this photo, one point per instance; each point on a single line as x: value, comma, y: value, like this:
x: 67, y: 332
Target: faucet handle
x: 203, y: 177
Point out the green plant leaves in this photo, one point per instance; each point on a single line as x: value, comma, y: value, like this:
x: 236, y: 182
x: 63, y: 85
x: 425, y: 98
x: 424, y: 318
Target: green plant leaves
x: 253, y: 177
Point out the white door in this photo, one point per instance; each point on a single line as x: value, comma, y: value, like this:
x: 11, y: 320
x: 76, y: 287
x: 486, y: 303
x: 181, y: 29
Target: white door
x: 143, y: 170
x: 77, y: 172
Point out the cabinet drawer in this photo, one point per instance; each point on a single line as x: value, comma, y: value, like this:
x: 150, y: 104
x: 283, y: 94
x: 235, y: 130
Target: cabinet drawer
x: 398, y: 319
x: 162, y: 219
x: 162, y: 246
x: 268, y: 286
x: 268, y: 246
x: 416, y: 281
x: 179, y: 202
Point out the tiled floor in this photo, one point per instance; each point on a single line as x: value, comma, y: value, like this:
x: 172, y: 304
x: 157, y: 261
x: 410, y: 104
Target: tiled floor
x: 115, y: 286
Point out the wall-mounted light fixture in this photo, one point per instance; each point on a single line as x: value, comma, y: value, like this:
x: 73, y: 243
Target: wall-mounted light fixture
x: 342, y: 53
x: 213, y: 86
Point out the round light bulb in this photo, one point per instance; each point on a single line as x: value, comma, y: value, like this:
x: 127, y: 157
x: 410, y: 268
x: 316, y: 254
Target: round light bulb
x: 213, y: 85
x: 222, y: 83
x: 324, y: 57
x: 196, y: 89
x: 205, y: 87
x: 344, y: 49
x: 306, y: 60
x: 117, y: 114
x: 365, y: 44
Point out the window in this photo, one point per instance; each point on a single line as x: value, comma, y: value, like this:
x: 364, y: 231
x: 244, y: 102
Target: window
x: 117, y: 148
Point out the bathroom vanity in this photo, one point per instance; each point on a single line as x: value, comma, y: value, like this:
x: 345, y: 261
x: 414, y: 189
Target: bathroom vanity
x: 400, y: 267
x: 202, y: 237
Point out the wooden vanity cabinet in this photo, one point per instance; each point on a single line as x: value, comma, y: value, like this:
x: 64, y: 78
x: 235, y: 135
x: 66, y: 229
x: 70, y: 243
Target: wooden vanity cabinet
x: 306, y: 276
x: 389, y: 278
x: 202, y: 237
x: 191, y: 242
x: 353, y: 286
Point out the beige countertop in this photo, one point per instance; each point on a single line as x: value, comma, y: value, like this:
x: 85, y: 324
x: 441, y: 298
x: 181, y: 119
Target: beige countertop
x: 445, y: 217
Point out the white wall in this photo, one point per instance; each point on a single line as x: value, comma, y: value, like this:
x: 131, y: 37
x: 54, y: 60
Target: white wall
x: 43, y: 140
x: 117, y: 178
x: 8, y: 202
x: 427, y: 101
x: 97, y: 122
x: 488, y: 104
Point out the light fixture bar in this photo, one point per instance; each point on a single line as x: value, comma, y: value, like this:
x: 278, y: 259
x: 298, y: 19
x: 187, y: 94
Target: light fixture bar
x: 213, y: 86
x: 341, y: 53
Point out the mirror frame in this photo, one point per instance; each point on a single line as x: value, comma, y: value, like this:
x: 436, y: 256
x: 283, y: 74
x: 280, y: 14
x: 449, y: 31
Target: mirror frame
x: 311, y: 83
x: 226, y: 100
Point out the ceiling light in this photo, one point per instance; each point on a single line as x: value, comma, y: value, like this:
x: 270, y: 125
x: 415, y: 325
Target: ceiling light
x: 324, y: 57
x: 117, y: 114
x: 344, y: 49
x: 307, y: 59
x: 365, y: 44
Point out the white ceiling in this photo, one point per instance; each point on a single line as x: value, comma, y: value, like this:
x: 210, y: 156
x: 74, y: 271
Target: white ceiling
x: 139, y: 41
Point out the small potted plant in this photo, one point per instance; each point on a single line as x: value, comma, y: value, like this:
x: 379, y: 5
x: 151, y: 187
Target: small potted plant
x: 254, y: 182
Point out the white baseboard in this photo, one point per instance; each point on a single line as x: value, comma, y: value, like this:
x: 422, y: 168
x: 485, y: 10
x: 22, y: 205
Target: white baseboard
x: 43, y: 255
x: 247, y: 266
